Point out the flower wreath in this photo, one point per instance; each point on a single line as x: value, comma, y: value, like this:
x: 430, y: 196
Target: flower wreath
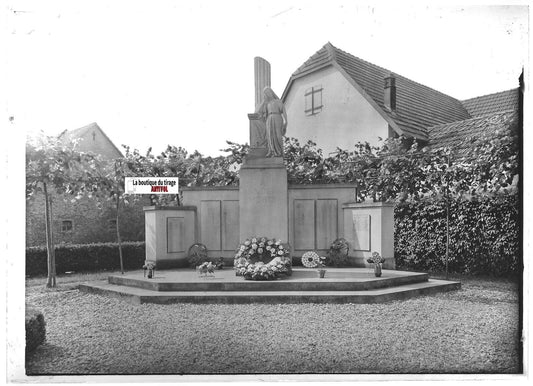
x: 260, y: 258
x: 312, y: 260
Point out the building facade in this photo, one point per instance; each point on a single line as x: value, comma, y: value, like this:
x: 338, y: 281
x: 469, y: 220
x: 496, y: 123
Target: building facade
x: 85, y: 220
x: 336, y: 100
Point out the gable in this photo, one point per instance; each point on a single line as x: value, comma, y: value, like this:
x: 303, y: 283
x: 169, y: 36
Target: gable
x: 91, y: 138
x: 344, y: 118
x: 417, y: 106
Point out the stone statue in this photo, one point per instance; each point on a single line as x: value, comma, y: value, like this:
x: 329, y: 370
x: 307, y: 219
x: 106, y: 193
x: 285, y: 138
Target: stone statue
x: 273, y: 113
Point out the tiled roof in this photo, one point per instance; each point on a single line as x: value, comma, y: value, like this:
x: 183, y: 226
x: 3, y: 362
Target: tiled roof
x: 458, y: 136
x: 492, y: 103
x: 417, y: 106
x: 70, y: 135
x: 78, y: 133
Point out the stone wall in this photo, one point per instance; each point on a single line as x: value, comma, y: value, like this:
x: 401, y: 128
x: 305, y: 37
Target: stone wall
x: 315, y: 217
x: 90, y: 222
x: 217, y: 225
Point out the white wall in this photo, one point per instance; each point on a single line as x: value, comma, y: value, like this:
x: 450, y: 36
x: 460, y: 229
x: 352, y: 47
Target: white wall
x: 346, y: 116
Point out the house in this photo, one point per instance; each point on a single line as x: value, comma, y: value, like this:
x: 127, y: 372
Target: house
x: 84, y: 220
x: 336, y: 100
x: 91, y: 138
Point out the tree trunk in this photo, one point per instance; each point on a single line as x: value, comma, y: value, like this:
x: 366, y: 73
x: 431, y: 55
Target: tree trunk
x: 51, y: 280
x: 447, y: 216
x: 54, y: 275
x: 118, y: 236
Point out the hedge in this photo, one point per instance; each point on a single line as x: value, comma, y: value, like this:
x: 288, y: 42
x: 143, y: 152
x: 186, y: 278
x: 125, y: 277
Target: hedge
x: 85, y: 257
x: 35, y: 328
x: 484, y: 236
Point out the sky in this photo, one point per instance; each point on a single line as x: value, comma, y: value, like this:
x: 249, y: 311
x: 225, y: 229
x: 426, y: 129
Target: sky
x: 153, y: 73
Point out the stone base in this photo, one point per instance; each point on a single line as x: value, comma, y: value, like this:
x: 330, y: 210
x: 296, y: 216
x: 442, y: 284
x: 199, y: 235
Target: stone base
x: 169, y: 231
x: 263, y: 199
x: 368, y: 228
x: 340, y: 285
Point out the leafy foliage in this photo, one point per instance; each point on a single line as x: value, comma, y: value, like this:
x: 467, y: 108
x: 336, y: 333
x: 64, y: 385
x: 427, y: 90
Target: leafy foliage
x: 484, y: 235
x: 52, y: 165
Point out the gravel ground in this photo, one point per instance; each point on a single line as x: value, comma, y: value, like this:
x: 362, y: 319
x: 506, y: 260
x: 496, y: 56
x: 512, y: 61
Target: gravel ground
x: 474, y: 330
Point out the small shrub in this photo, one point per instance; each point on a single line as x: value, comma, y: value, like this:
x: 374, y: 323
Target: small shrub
x: 197, y: 255
x: 338, y: 253
x: 35, y: 329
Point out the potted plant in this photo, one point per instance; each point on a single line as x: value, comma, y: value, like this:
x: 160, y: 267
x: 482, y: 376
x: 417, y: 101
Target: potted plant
x: 321, y: 267
x: 150, y: 267
x: 378, y: 261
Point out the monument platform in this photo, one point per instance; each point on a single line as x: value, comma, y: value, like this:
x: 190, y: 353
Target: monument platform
x: 341, y: 285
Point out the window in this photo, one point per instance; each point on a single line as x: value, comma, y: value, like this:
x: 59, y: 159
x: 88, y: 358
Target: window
x: 66, y: 226
x: 313, y: 100
x: 112, y: 224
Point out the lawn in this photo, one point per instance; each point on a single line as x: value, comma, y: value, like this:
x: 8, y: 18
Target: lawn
x: 473, y: 330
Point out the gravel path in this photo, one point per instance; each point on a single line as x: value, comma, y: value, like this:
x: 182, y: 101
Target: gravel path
x: 474, y: 330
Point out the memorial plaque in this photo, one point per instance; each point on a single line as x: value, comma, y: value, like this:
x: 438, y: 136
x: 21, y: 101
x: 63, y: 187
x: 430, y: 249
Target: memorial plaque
x: 175, y: 234
x: 361, y: 232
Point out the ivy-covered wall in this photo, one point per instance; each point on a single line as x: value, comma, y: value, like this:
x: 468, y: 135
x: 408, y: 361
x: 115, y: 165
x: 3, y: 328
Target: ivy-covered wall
x: 484, y: 236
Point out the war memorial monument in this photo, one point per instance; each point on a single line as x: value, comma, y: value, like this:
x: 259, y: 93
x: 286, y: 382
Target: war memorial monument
x: 264, y: 225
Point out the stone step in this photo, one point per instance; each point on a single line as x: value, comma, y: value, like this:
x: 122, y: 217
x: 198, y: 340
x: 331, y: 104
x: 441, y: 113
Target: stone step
x: 337, y: 279
x: 139, y: 295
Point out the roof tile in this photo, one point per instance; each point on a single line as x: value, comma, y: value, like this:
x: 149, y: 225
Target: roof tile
x: 492, y: 103
x: 417, y: 106
x: 459, y: 136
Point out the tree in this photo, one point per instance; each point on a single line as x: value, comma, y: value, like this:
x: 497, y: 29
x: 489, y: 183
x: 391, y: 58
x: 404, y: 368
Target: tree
x: 52, y: 166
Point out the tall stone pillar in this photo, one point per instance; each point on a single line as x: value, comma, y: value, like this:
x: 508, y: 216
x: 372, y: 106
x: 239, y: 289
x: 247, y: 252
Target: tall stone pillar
x: 263, y: 199
x: 262, y: 79
x: 263, y: 193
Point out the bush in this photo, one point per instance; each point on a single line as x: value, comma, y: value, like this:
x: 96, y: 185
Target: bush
x: 86, y: 257
x: 35, y: 329
x: 484, y: 236
x: 338, y: 253
x: 197, y: 255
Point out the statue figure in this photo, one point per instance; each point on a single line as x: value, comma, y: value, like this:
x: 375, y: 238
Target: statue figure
x: 273, y: 113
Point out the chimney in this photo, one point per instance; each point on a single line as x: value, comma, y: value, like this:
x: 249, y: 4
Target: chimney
x: 389, y: 92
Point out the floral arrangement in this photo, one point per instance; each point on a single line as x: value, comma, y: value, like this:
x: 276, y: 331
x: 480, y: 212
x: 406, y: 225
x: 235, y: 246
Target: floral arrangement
x: 312, y: 260
x: 205, y: 268
x: 375, y: 259
x: 338, y: 252
x: 150, y: 265
x: 273, y: 270
x: 260, y: 258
